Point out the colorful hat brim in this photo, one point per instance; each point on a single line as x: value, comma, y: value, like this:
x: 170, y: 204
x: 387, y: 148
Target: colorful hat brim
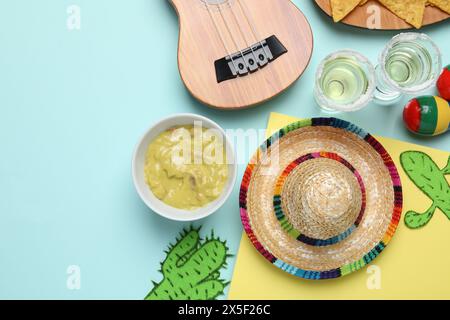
x: 389, y: 227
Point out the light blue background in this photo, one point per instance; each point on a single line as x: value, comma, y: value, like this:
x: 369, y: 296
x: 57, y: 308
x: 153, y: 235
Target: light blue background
x: 72, y: 107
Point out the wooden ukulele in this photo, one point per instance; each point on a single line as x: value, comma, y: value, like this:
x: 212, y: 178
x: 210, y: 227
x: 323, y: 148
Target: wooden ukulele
x: 237, y: 53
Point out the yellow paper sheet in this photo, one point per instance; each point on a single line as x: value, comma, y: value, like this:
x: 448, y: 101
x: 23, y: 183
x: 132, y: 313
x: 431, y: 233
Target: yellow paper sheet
x: 415, y: 265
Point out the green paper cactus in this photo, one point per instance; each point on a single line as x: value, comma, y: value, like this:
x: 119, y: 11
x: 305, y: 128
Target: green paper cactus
x: 191, y: 269
x: 427, y: 176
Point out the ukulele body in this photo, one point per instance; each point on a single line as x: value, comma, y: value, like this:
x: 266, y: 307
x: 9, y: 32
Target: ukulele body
x: 238, y: 53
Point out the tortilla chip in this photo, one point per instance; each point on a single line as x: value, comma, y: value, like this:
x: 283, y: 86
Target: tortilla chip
x: 341, y: 8
x: 444, y: 5
x: 411, y: 11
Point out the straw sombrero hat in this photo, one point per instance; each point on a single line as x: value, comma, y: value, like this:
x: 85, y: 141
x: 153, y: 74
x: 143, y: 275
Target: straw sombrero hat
x: 321, y: 198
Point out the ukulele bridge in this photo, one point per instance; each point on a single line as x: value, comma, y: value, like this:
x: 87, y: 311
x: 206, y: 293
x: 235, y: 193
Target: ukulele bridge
x: 249, y: 60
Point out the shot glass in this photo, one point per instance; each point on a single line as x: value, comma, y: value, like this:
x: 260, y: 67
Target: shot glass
x: 345, y: 82
x: 409, y: 64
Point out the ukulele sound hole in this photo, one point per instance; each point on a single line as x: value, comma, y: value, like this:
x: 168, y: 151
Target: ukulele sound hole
x: 249, y: 60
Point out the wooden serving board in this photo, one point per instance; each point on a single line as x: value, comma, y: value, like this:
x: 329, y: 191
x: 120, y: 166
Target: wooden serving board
x: 361, y: 16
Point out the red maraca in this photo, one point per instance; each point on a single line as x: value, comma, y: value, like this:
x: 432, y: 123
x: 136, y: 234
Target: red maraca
x: 427, y: 115
x: 443, y: 83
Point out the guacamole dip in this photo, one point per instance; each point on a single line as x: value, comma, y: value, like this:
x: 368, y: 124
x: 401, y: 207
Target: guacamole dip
x: 185, y: 167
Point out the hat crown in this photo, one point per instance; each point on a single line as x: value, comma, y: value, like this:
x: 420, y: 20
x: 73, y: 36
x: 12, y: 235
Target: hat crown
x: 323, y: 198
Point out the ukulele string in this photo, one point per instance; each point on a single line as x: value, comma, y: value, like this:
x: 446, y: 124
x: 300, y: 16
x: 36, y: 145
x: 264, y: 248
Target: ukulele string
x: 249, y: 45
x: 244, y: 11
x: 252, y: 25
x: 231, y: 34
x: 220, y: 35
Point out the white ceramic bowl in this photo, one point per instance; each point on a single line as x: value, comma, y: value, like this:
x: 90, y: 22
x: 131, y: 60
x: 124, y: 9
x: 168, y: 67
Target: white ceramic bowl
x: 139, y: 177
